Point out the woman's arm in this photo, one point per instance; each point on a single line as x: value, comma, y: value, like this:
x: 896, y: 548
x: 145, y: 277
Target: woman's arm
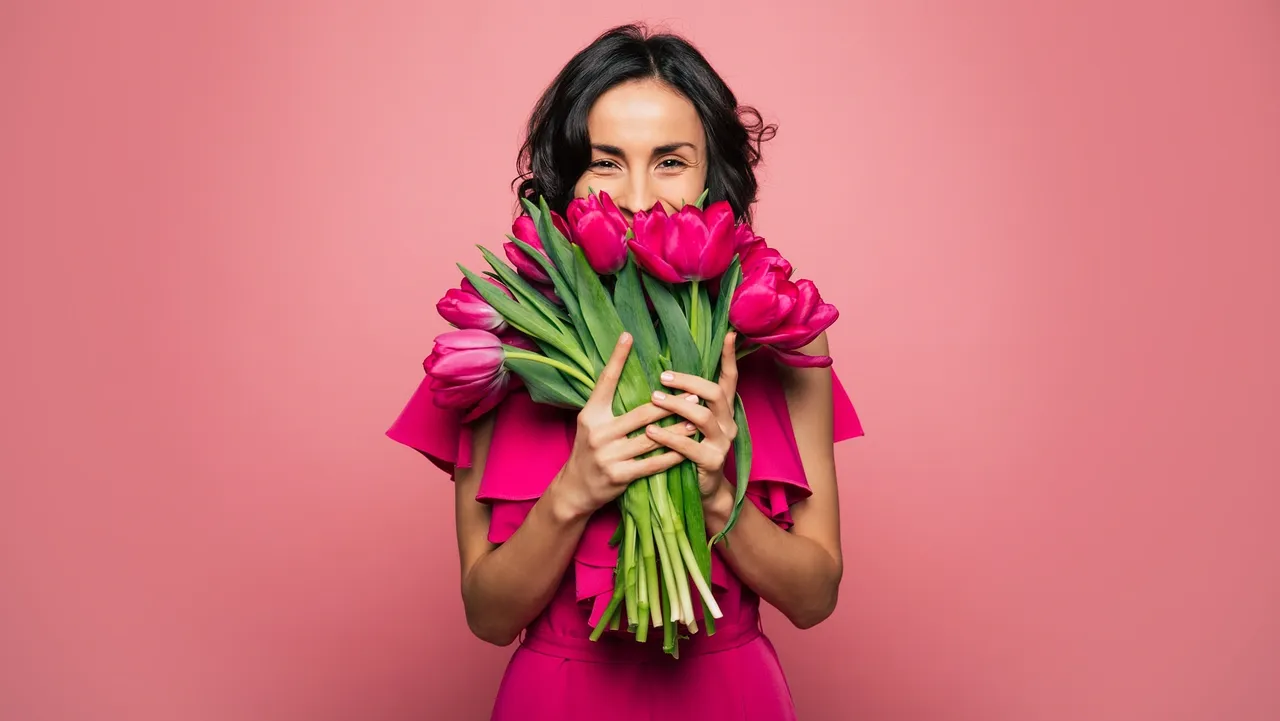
x: 504, y: 587
x: 798, y: 572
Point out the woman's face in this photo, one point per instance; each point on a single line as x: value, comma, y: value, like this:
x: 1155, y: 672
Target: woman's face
x: 647, y: 146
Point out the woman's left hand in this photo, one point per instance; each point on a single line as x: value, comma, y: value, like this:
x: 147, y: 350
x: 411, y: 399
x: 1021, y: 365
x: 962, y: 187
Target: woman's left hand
x: 714, y: 420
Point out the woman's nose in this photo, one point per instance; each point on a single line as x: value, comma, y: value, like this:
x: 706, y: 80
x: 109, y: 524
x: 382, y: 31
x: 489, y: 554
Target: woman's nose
x: 636, y: 197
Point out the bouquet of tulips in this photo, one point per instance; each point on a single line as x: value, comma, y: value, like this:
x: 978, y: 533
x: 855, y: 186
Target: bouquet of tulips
x: 677, y: 283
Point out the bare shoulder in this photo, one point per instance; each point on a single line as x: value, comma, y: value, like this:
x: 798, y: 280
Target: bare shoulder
x: 804, y: 383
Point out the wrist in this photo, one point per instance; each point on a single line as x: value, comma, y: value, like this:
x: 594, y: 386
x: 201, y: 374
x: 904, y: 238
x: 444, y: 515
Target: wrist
x: 717, y: 507
x: 565, y: 506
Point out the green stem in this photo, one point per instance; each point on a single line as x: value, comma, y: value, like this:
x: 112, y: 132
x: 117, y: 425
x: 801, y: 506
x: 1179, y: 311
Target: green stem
x: 672, y: 531
x: 694, y: 305
x: 687, y: 551
x: 632, y: 576
x: 564, y: 367
x: 649, y: 582
x: 746, y: 351
x: 611, y: 611
x: 670, y: 556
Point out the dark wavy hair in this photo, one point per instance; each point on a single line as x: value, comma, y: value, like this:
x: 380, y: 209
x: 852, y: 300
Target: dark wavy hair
x: 557, y: 151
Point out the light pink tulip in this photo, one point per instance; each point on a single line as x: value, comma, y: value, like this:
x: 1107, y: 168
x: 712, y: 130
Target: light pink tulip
x: 467, y: 372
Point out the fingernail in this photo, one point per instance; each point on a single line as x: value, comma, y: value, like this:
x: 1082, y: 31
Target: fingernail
x: 693, y: 399
x: 668, y: 376
x: 625, y: 338
x: 690, y: 427
x: 659, y: 395
x: 651, y: 429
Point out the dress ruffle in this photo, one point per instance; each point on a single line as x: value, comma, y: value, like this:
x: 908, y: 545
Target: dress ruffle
x: 532, y: 441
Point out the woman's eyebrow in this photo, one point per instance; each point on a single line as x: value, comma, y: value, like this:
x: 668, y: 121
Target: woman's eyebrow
x: 659, y: 150
x: 672, y: 147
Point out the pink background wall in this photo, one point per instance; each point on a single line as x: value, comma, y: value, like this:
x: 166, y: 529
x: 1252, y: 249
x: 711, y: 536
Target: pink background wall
x: 1052, y: 228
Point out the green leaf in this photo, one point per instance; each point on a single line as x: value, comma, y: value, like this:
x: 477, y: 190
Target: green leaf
x: 546, y: 384
x: 566, y: 293
x: 529, y: 296
x: 742, y: 465
x: 685, y: 357
x: 702, y: 198
x: 634, y: 313
x: 558, y: 248
x: 579, y: 386
x: 606, y: 328
x: 558, y: 281
x: 523, y: 319
x: 720, y: 321
x: 703, y: 339
x: 616, y: 539
x: 559, y: 264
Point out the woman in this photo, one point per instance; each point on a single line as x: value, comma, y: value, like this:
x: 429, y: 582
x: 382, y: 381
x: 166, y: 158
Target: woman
x: 648, y: 121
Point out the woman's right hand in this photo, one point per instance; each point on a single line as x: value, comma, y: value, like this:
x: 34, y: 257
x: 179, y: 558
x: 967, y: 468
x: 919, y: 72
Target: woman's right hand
x: 605, y: 458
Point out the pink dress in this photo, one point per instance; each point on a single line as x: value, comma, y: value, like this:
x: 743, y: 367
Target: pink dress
x: 556, y: 672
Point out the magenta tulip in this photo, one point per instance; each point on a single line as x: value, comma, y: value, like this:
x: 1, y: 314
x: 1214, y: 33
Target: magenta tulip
x: 691, y: 245
x: 772, y: 311
x: 465, y: 308
x: 600, y: 229
x: 762, y: 301
x: 524, y: 229
x: 467, y: 372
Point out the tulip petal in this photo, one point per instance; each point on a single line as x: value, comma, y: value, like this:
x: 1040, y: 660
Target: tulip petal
x: 801, y: 360
x: 615, y: 216
x: 524, y: 265
x: 650, y: 228
x: 685, y: 240
x: 654, y: 265
x: 524, y: 229
x: 601, y: 243
x: 718, y: 252
x: 807, y: 299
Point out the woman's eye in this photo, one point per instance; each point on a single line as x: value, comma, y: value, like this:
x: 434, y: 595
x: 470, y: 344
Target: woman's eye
x: 607, y: 164
x: 672, y: 163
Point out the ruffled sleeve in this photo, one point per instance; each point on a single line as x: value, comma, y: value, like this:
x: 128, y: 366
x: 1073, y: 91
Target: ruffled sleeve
x: 530, y: 443
x: 777, y: 479
x: 437, y: 433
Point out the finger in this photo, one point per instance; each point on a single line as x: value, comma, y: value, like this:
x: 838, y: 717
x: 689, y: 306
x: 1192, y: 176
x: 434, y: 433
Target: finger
x: 602, y: 395
x: 638, y: 418
x: 702, y: 454
x: 688, y: 408
x: 629, y: 471
x: 630, y: 448
x: 707, y: 390
x: 729, y: 367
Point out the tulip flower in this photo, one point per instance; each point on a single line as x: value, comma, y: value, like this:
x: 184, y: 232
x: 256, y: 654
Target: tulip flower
x: 770, y: 310
x: 762, y: 300
x: 753, y: 251
x: 466, y: 309
x: 466, y: 371
x: 691, y: 245
x: 597, y: 225
x: 524, y: 229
